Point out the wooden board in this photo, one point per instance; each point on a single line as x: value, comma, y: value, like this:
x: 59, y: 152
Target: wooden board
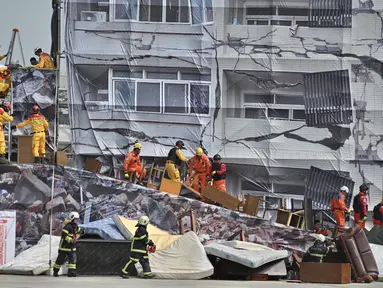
x: 252, y: 204
x: 334, y: 273
x: 295, y: 220
x: 283, y: 217
x: 225, y: 199
x: 62, y: 158
x: 192, y: 190
x: 170, y: 186
x: 92, y: 165
x: 24, y: 149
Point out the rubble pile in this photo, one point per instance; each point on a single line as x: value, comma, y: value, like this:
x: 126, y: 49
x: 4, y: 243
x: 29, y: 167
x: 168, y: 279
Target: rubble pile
x: 29, y: 192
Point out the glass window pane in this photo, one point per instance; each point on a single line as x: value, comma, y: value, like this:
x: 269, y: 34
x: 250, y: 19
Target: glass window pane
x: 161, y: 75
x: 209, y: 11
x: 278, y: 113
x: 299, y: 114
x: 303, y: 23
x: 175, y: 98
x: 196, y: 9
x: 253, y: 98
x: 293, y: 11
x: 127, y: 74
x: 124, y: 94
x: 184, y: 11
x: 144, y: 10
x: 290, y: 100
x: 155, y: 11
x: 126, y: 9
x: 148, y: 97
x: 199, y: 99
x: 281, y: 22
x: 258, y: 22
x: 172, y: 11
x: 255, y: 113
x: 195, y: 77
x: 261, y: 11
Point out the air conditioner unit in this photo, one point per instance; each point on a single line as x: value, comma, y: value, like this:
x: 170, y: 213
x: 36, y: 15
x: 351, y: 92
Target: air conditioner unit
x: 94, y: 16
x: 95, y: 106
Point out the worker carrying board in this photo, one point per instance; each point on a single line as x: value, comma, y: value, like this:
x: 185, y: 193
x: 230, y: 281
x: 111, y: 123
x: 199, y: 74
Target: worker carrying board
x: 67, y: 247
x: 40, y: 130
x: 4, y: 117
x: 199, y: 170
x: 174, y: 159
x: 133, y: 165
x: 338, y: 206
x: 360, y: 206
x: 139, y: 249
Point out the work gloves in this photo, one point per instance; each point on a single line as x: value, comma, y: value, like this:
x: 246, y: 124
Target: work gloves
x: 126, y: 175
x: 213, y: 173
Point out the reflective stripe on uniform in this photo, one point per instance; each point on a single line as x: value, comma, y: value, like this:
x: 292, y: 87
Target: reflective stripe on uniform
x: 134, y: 259
x: 67, y: 249
x: 147, y: 273
x: 138, y: 251
x: 71, y: 266
x: 146, y: 257
x: 57, y: 266
x: 139, y: 238
x: 319, y: 256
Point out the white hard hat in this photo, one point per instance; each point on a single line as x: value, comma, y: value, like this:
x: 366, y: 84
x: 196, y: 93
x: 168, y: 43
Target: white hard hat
x: 144, y: 220
x: 73, y: 215
x: 344, y: 189
x: 319, y: 237
x: 37, y: 49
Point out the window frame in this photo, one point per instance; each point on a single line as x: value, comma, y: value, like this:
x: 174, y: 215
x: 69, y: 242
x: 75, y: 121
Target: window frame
x: 274, y: 105
x: 269, y: 18
x: 204, y: 16
x: 112, y: 16
x: 162, y: 92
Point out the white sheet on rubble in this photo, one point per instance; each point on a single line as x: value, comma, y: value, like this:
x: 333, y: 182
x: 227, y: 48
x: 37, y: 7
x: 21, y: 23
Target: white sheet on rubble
x: 253, y: 256
x: 35, y: 260
x: 377, y: 250
x: 184, y: 259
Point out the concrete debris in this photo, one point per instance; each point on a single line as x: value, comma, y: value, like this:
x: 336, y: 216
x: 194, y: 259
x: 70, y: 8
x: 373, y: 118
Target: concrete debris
x: 30, y: 189
x: 120, y: 200
x: 36, y: 206
x: 57, y: 205
x: 72, y: 204
x: 59, y: 191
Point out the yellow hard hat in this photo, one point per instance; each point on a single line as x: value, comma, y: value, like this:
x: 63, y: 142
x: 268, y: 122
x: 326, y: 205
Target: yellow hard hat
x: 199, y: 151
x: 3, y: 68
x: 137, y: 146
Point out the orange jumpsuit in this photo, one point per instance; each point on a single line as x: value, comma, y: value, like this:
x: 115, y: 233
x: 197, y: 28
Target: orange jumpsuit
x: 338, y: 206
x: 201, y: 166
x: 219, y: 177
x: 46, y: 61
x: 4, y: 117
x: 319, y: 230
x: 360, y: 209
x: 39, y: 126
x: 378, y: 214
x: 132, y: 163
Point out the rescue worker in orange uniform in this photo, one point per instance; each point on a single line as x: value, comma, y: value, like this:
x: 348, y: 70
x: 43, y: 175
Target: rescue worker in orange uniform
x: 319, y: 229
x: 4, y: 117
x: 5, y: 80
x: 199, y: 170
x: 132, y: 163
x: 338, y: 206
x: 378, y: 214
x: 218, y: 173
x: 40, y: 128
x: 174, y: 159
x: 360, y: 206
x: 45, y: 60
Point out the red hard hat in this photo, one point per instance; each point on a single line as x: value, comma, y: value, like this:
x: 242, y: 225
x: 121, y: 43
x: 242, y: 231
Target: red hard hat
x: 7, y: 105
x: 35, y: 109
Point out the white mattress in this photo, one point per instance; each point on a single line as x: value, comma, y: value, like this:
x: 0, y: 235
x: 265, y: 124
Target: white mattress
x: 253, y: 257
x: 377, y: 250
x: 35, y: 260
x: 184, y: 259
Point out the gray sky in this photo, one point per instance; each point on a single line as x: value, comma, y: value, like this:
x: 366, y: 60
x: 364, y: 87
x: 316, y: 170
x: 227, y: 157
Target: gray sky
x: 33, y: 19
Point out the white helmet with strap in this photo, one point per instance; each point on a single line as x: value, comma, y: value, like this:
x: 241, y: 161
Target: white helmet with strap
x: 143, y: 220
x: 73, y: 215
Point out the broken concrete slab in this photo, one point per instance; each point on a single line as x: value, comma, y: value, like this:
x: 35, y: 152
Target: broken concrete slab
x: 30, y: 189
x: 120, y: 200
x: 71, y: 203
x: 36, y: 206
x: 59, y: 191
x: 57, y: 205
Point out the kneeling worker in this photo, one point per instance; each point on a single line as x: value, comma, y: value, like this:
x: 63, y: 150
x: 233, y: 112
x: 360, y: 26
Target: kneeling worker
x: 67, y: 248
x: 201, y: 165
x: 4, y: 117
x: 132, y: 163
x: 174, y: 159
x: 218, y: 173
x: 138, y: 249
x: 318, y: 251
x: 40, y: 128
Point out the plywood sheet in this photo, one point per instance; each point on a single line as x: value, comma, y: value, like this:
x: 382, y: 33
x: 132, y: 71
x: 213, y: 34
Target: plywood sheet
x: 24, y: 149
x: 252, y: 205
x: 170, y: 186
x: 225, y: 199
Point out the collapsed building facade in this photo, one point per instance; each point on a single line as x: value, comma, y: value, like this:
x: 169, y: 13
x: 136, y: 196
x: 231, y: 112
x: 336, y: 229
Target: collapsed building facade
x: 280, y: 90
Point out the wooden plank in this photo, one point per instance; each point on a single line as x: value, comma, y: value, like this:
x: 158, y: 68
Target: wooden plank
x: 295, y: 219
x: 170, y: 186
x: 242, y: 236
x: 192, y: 190
x: 181, y: 226
x: 225, y: 199
x: 334, y: 273
x: 252, y: 205
x: 24, y: 149
x: 193, y: 222
x: 62, y: 158
x: 283, y: 217
x: 92, y: 165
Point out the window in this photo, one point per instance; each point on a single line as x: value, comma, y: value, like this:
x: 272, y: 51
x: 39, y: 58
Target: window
x: 329, y: 13
x: 162, y: 92
x: 175, y: 98
x: 202, y: 11
x: 274, y: 106
x: 275, y: 15
x: 148, y: 97
x: 151, y: 10
x: 177, y: 11
x: 125, y: 10
x: 196, y: 76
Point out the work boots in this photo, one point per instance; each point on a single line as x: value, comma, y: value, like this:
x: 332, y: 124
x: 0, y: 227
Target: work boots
x: 37, y: 160
x: 124, y: 276
x: 150, y: 276
x: 56, y: 272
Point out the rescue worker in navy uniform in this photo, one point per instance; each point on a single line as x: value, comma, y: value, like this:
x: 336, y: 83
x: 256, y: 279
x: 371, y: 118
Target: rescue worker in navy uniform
x: 67, y: 247
x: 138, y: 250
x: 318, y: 251
x: 174, y: 159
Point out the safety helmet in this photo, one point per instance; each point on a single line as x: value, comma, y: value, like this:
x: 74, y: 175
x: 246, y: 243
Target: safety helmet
x: 198, y: 151
x: 35, y: 109
x: 73, y: 215
x: 344, y: 189
x: 137, y: 146
x: 37, y: 49
x: 319, y: 237
x: 363, y: 188
x: 6, y: 107
x: 217, y: 157
x: 143, y: 220
x: 180, y: 144
x: 3, y: 68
